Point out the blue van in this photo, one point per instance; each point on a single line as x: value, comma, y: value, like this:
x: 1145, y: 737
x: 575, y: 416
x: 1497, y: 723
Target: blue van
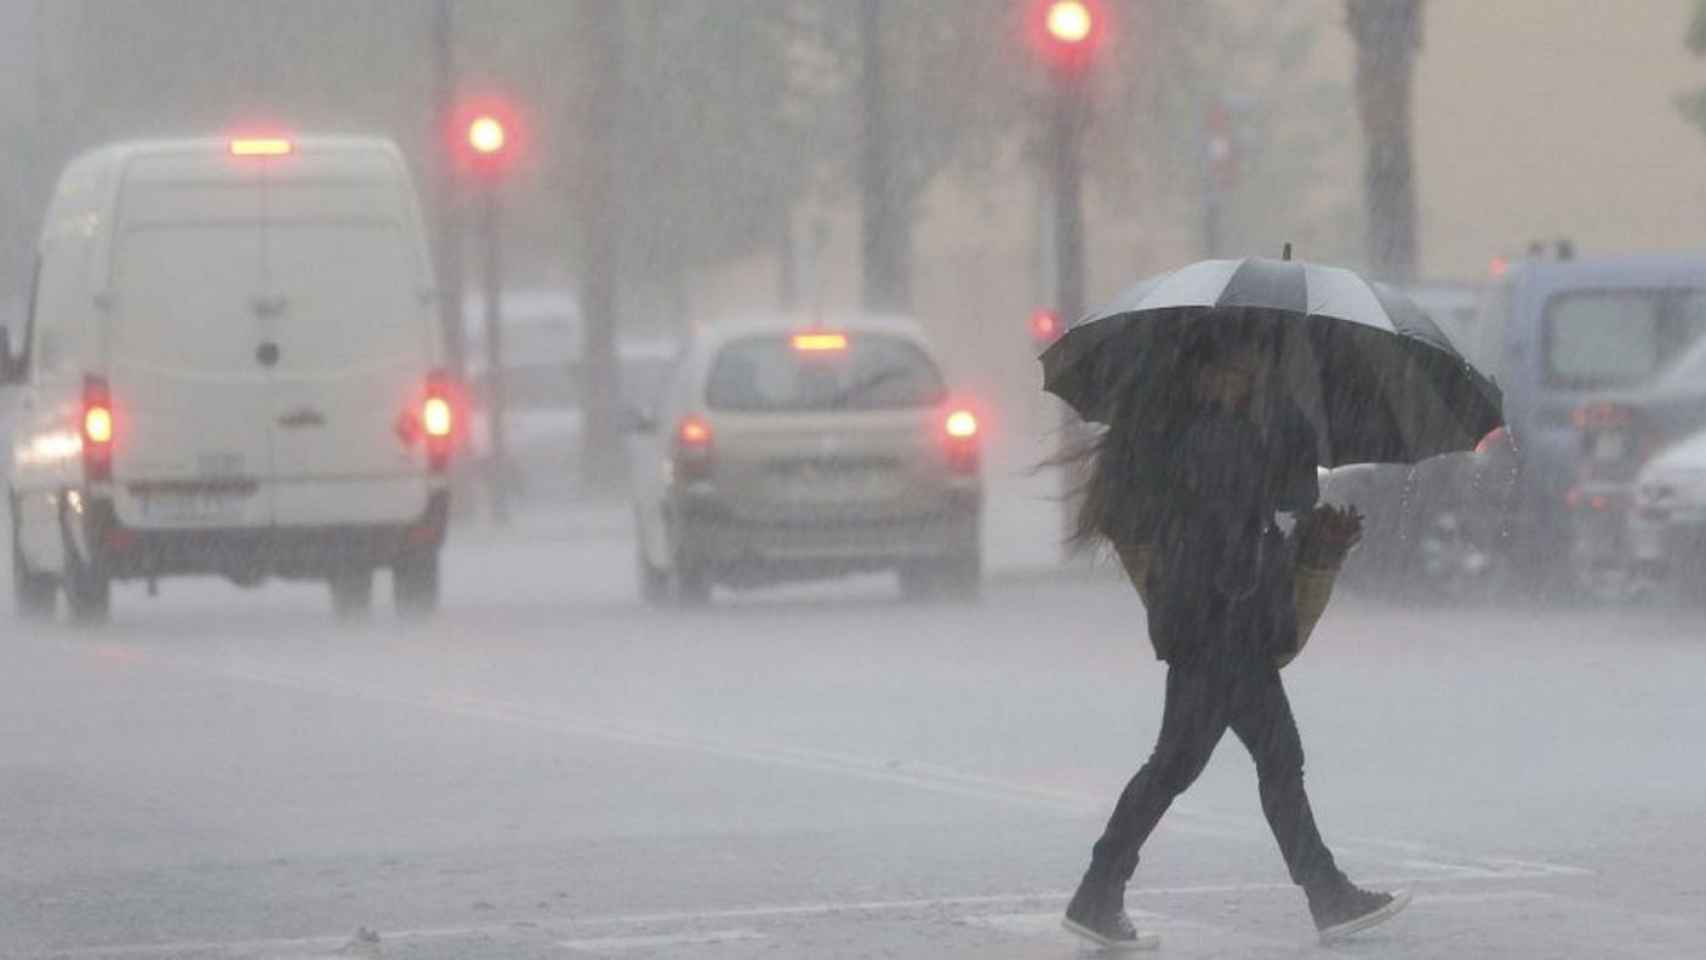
x: 1554, y: 334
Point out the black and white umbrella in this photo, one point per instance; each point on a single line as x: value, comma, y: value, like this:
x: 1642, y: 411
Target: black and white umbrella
x: 1375, y: 376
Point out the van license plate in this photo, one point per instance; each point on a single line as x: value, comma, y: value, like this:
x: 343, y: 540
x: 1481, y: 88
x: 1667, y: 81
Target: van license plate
x: 199, y: 506
x: 1609, y: 446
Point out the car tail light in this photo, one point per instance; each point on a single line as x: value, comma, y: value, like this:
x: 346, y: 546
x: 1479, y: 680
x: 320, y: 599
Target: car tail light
x: 960, y: 434
x: 98, y: 429
x: 1578, y: 498
x: 692, y: 449
x: 439, y: 420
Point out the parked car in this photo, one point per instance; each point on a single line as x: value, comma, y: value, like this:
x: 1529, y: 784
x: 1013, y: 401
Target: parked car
x: 1630, y: 468
x: 230, y: 365
x: 1667, y: 526
x: 786, y: 452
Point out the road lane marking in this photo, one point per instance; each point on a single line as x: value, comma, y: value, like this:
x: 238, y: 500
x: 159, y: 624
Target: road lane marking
x: 1055, y: 900
x: 651, y: 941
x: 1485, y: 896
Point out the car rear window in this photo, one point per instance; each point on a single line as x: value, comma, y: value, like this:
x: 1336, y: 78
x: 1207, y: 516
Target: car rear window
x: 1618, y: 338
x: 833, y: 372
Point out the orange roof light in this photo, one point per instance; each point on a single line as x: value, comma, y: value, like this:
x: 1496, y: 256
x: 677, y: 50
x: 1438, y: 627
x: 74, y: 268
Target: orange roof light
x: 820, y: 341
x: 261, y: 147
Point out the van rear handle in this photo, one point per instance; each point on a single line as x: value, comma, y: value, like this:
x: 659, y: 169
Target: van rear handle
x: 267, y: 354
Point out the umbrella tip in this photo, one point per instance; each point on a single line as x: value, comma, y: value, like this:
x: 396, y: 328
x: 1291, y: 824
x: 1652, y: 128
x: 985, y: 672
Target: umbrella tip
x: 1286, y: 253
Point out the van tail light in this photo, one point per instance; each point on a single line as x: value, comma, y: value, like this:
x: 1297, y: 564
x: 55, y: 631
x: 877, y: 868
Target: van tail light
x: 960, y: 431
x: 98, y: 429
x: 1602, y: 416
x: 692, y: 449
x: 1616, y: 439
x: 440, y: 420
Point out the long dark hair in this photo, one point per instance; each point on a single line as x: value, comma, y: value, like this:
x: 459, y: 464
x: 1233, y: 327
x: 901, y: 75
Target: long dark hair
x: 1127, y: 472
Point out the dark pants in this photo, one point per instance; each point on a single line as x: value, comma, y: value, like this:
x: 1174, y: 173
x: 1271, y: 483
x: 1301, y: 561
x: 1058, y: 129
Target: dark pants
x: 1202, y: 701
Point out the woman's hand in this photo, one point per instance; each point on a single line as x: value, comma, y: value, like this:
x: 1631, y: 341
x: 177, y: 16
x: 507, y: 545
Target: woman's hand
x: 1325, y: 534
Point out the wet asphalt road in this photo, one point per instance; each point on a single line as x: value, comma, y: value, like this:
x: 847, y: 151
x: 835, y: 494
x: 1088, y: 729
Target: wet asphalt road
x: 551, y: 770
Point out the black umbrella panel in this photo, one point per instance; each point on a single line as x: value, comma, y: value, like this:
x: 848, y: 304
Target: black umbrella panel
x: 1380, y: 382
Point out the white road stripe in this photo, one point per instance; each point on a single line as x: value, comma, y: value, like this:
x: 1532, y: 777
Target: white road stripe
x: 1055, y: 901
x: 1485, y: 896
x: 619, y: 944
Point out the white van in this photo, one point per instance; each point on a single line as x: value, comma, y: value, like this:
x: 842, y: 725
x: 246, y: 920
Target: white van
x: 230, y: 365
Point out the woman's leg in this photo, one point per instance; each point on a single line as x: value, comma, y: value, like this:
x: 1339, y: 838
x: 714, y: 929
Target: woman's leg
x: 1262, y: 719
x: 1193, y: 720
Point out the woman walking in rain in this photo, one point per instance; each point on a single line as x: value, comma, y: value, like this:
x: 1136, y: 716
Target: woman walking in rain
x: 1185, y: 485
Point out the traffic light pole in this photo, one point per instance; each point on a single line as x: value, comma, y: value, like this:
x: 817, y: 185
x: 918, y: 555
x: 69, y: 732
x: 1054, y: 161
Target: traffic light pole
x: 1069, y: 111
x: 496, y: 405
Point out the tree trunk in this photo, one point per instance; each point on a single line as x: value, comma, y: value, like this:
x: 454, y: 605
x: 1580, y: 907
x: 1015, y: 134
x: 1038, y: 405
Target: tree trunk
x: 885, y: 205
x: 602, y: 37
x: 1387, y: 35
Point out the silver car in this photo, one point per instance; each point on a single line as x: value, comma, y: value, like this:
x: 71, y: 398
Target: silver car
x: 780, y: 452
x: 1667, y: 527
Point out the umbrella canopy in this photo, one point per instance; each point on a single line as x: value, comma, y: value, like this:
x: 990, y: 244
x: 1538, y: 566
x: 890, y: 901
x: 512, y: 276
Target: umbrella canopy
x: 1375, y: 376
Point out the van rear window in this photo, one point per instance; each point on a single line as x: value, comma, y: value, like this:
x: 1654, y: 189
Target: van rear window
x: 854, y: 371
x: 1618, y: 338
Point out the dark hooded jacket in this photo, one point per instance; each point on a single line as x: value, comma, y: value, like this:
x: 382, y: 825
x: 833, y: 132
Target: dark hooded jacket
x: 1220, y: 588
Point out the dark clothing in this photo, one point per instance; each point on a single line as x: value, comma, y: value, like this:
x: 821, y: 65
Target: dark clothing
x: 1202, y: 702
x: 1205, y: 608
x: 1221, y: 586
x: 1221, y: 610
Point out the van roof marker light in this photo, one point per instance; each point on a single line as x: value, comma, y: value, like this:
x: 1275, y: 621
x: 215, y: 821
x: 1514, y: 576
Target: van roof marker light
x: 820, y: 341
x: 261, y: 147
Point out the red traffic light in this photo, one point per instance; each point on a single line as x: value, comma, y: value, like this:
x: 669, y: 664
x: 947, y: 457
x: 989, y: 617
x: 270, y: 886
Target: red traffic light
x: 1045, y: 327
x: 486, y: 135
x: 1068, y: 31
x: 1068, y: 21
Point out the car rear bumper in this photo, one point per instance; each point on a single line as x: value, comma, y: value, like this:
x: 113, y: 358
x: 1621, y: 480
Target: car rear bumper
x: 1669, y: 538
x: 828, y: 541
x: 251, y: 554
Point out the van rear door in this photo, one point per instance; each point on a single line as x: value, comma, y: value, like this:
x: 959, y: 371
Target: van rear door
x: 353, y: 332
x: 192, y: 446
